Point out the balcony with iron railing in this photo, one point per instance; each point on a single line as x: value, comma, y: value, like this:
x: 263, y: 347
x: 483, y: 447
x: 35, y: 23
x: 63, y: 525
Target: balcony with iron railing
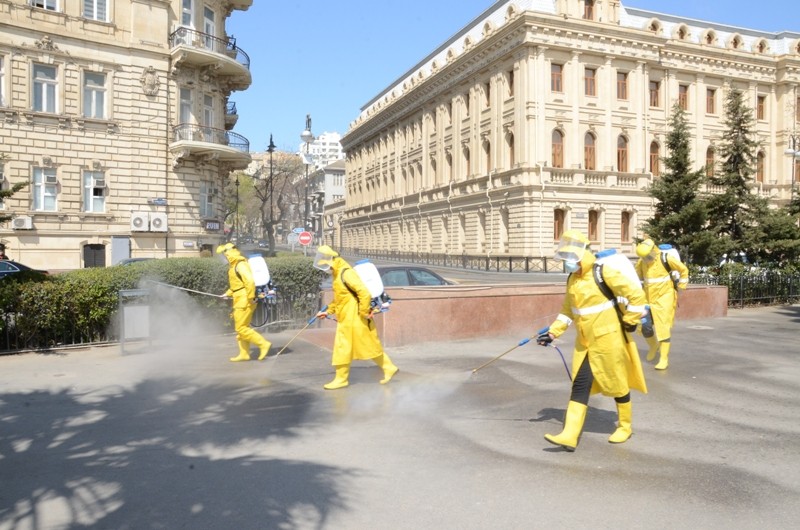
x: 231, y: 116
x: 189, y: 47
x: 199, y: 141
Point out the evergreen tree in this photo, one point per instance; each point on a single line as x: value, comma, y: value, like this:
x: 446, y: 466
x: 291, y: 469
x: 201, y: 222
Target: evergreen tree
x: 5, y: 194
x: 679, y: 216
x: 734, y: 213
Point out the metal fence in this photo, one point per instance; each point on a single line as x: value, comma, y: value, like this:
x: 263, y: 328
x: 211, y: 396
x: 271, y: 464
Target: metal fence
x: 488, y: 263
x: 755, y: 288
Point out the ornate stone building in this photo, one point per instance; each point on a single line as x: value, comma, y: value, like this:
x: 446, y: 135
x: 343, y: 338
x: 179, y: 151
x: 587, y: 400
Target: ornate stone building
x: 117, y: 114
x: 541, y: 116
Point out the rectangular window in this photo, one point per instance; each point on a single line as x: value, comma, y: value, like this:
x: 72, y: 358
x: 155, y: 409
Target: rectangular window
x: 206, y: 200
x: 590, y: 81
x: 556, y: 78
x: 208, y: 110
x: 510, y: 77
x: 2, y: 183
x: 683, y: 96
x: 94, y: 95
x: 622, y: 85
x: 594, y: 221
x: 466, y: 105
x: 96, y: 10
x: 185, y: 110
x: 45, y: 189
x: 655, y: 94
x: 50, y: 5
x: 797, y: 110
x: 761, y: 107
x: 625, y: 227
x: 187, y: 13
x: 209, y: 27
x: 558, y: 224
x: 487, y: 94
x: 45, y: 87
x: 711, y: 100
x: 94, y: 191
x: 588, y: 9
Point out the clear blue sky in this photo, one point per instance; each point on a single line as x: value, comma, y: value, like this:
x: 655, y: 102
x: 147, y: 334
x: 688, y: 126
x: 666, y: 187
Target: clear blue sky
x: 328, y: 59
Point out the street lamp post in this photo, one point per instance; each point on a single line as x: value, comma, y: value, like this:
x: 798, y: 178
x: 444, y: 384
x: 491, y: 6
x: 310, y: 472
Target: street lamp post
x: 270, y: 188
x: 307, y: 138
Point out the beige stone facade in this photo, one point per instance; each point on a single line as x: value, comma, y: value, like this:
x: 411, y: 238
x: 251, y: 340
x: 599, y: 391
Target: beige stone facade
x: 117, y: 114
x: 543, y: 116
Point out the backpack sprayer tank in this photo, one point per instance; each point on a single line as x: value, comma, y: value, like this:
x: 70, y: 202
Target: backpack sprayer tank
x: 369, y: 274
x: 261, y: 277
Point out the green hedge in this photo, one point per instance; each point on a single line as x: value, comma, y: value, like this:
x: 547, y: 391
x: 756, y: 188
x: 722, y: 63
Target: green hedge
x: 82, y: 305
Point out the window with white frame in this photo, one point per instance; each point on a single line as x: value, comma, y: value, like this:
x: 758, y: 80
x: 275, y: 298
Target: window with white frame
x: 209, y: 26
x: 94, y: 95
x: 45, y: 189
x: 2, y: 81
x: 187, y: 13
x: 207, y: 193
x: 96, y: 10
x: 45, y: 88
x: 185, y: 109
x: 50, y: 5
x: 2, y: 183
x: 94, y: 191
x: 208, y: 110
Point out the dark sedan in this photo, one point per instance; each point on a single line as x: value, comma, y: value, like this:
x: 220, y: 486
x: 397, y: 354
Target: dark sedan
x: 404, y: 276
x: 8, y: 267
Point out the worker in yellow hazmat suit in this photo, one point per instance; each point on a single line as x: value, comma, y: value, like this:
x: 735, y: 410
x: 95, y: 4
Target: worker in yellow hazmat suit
x: 356, y: 335
x: 243, y: 290
x: 663, y: 277
x: 601, y: 362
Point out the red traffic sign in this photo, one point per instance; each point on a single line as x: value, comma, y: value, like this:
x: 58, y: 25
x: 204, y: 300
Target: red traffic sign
x: 304, y: 238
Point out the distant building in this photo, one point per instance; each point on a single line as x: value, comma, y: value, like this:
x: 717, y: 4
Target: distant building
x: 117, y: 114
x: 325, y: 149
x: 539, y: 117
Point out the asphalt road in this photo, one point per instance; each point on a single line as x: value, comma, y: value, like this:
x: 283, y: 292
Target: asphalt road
x: 172, y: 435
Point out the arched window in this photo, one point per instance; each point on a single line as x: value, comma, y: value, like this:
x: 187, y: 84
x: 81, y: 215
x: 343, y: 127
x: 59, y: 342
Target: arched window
x: 558, y: 149
x: 761, y: 160
x: 655, y: 167
x: 622, y: 154
x: 589, y: 152
x: 710, y: 162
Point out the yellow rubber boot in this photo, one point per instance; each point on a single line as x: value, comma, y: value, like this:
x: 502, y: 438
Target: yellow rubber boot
x: 573, y: 425
x: 663, y: 363
x: 624, y: 430
x: 653, y: 343
x: 340, y: 381
x: 264, y: 350
x: 244, y: 352
x: 388, y: 367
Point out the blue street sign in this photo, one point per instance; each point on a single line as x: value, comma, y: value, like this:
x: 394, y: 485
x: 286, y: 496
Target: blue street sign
x: 298, y: 230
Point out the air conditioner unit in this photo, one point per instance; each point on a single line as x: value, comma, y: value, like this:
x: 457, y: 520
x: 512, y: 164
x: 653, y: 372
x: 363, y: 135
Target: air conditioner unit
x: 51, y: 179
x: 140, y: 221
x: 158, y: 222
x: 98, y: 183
x: 23, y: 222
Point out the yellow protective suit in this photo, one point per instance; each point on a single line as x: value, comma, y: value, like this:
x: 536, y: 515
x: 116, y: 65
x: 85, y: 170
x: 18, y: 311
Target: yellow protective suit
x: 660, y: 290
x: 243, y: 290
x: 615, y: 364
x: 356, y: 335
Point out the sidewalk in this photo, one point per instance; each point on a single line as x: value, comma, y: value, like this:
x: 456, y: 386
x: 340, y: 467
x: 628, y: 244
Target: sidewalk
x: 176, y: 436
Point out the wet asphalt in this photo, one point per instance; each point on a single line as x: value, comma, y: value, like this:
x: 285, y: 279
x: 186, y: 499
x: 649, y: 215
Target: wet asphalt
x: 172, y: 435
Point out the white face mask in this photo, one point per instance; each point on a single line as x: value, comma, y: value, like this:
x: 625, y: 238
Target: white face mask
x: 572, y: 266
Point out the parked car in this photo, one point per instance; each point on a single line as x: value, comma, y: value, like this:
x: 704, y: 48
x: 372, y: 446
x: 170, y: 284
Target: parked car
x: 130, y: 261
x: 8, y: 267
x: 404, y: 276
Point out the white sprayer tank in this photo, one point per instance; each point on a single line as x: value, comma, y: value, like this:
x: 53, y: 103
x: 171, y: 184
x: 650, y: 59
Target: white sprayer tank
x: 258, y: 266
x: 369, y: 274
x: 614, y: 259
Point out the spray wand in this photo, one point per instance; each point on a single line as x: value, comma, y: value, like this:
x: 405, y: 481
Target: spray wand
x: 310, y: 321
x: 523, y: 342
x: 543, y: 338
